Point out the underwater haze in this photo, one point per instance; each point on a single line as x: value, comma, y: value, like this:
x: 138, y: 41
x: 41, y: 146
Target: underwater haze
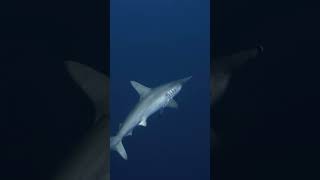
x: 153, y: 43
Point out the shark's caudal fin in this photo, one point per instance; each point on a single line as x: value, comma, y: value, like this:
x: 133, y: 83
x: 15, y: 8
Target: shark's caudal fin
x: 141, y: 89
x: 93, y: 83
x: 116, y: 144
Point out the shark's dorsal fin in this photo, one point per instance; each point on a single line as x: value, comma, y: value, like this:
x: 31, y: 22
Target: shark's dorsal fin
x: 93, y: 83
x: 172, y: 104
x: 141, y: 89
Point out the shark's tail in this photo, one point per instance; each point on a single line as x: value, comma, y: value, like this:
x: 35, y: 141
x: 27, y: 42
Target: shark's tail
x: 116, y: 144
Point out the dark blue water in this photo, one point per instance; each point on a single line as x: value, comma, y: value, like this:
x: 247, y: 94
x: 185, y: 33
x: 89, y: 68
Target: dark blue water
x: 43, y: 112
x: 268, y: 120
x: 155, y: 42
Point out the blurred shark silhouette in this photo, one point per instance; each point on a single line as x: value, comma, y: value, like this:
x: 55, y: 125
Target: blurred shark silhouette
x: 223, y: 67
x: 90, y: 159
x: 221, y: 72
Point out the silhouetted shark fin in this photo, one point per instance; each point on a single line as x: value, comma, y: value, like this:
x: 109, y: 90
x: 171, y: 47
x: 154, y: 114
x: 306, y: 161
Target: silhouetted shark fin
x: 120, y: 149
x: 228, y: 63
x: 141, y: 89
x: 93, y: 83
x: 143, y: 122
x: 172, y: 104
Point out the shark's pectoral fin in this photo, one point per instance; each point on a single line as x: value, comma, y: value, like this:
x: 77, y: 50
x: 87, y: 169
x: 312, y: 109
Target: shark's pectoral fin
x: 143, y: 123
x: 141, y: 89
x: 172, y: 104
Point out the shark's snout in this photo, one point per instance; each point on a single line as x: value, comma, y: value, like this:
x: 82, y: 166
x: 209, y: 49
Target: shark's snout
x: 184, y: 80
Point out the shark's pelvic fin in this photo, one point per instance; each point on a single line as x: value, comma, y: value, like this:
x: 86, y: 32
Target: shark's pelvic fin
x: 93, y: 83
x: 143, y: 122
x: 172, y: 104
x: 141, y: 89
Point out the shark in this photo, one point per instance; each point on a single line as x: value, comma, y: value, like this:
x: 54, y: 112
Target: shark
x: 151, y: 100
x: 223, y: 67
x: 222, y: 70
x: 90, y: 158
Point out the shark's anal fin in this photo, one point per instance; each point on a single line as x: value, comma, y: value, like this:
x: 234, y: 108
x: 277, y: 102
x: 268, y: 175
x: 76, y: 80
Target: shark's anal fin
x: 143, y: 122
x: 141, y: 89
x: 172, y: 104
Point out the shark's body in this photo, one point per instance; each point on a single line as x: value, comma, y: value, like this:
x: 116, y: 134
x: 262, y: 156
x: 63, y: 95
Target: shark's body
x: 151, y: 100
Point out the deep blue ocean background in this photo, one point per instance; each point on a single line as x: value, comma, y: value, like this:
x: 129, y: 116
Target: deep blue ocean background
x: 268, y: 120
x: 155, y: 42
